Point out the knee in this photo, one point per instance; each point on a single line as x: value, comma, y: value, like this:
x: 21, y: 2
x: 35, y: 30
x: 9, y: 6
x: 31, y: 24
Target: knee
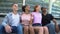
x: 31, y: 27
x: 46, y: 28
x: 26, y: 28
x: 41, y: 28
x: 51, y: 26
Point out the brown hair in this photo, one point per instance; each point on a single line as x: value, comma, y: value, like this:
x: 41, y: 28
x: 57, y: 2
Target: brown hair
x: 35, y: 8
x: 14, y: 3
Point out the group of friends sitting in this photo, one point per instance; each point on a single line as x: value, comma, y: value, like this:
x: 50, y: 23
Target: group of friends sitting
x: 28, y: 22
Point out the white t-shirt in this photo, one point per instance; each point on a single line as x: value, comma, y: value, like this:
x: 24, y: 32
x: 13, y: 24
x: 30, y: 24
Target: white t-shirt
x: 16, y: 19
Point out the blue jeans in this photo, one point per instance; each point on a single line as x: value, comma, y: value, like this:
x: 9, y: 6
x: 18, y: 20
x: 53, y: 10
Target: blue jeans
x: 18, y: 29
x: 51, y: 28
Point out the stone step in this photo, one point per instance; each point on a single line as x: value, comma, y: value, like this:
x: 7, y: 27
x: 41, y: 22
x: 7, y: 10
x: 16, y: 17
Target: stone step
x: 8, y: 4
x: 11, y: 1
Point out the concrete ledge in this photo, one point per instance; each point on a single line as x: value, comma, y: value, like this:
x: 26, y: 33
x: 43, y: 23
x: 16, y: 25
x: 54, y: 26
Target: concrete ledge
x: 57, y: 18
x: 3, y: 14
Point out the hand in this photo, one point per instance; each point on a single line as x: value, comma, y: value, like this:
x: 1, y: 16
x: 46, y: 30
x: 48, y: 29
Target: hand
x: 8, y: 29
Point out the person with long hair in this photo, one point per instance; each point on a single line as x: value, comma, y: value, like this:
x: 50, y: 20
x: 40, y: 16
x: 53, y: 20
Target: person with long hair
x: 37, y: 18
x: 26, y: 20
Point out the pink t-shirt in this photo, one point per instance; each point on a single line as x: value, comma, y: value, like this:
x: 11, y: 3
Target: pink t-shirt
x: 37, y: 17
x: 25, y: 18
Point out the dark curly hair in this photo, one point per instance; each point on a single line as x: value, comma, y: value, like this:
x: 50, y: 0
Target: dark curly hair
x: 23, y: 8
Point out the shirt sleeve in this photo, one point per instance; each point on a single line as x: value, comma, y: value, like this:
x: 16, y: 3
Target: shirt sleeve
x: 52, y: 17
x: 4, y: 23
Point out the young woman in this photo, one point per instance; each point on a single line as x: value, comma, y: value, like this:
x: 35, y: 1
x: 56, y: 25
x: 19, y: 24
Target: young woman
x: 37, y: 18
x: 26, y: 19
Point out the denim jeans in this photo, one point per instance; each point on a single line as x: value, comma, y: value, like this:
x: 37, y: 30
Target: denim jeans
x: 51, y: 28
x: 17, y: 30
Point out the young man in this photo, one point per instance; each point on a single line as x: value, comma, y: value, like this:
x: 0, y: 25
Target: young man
x: 11, y: 23
x: 46, y: 20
